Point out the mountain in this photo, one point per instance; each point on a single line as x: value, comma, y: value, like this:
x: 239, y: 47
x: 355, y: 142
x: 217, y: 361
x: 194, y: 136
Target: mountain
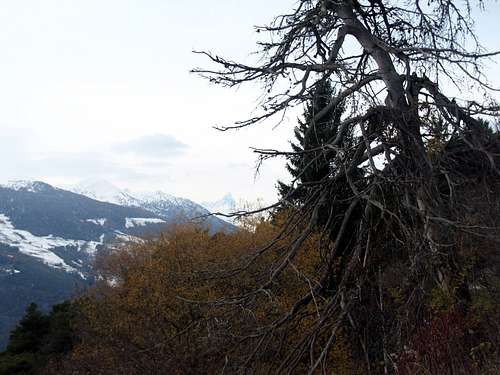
x: 50, y: 236
x: 225, y: 205
x: 48, y: 239
x: 168, y: 207
x: 104, y: 191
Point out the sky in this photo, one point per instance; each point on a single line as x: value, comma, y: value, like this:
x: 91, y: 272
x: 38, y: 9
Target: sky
x: 101, y: 89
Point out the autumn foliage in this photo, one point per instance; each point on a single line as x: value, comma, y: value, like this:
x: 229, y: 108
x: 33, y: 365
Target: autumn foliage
x: 162, y: 307
x: 173, y: 306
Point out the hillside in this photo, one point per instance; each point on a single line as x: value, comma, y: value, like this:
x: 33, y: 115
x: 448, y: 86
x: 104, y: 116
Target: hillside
x: 49, y: 238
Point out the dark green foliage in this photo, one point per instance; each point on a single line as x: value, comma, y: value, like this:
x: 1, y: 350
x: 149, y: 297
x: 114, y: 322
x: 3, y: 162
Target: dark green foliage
x: 314, y: 162
x: 37, y: 338
x: 311, y: 161
x: 28, y: 335
x: 60, y: 338
x: 36, y: 282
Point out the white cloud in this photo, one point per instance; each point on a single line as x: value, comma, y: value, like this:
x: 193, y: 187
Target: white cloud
x: 153, y: 146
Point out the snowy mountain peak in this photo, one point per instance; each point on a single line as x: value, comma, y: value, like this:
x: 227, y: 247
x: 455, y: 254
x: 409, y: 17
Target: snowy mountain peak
x: 104, y: 191
x: 27, y: 185
x: 225, y: 205
x: 154, y: 196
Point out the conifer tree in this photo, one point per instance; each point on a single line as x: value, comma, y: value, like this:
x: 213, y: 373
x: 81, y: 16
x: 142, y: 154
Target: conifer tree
x: 28, y: 335
x: 309, y: 164
x: 38, y: 338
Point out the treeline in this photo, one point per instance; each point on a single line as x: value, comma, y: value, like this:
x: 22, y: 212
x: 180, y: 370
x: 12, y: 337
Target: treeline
x: 38, y: 339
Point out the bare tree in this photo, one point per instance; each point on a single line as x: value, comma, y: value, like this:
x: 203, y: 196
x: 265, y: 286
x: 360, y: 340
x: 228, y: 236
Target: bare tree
x: 392, y: 63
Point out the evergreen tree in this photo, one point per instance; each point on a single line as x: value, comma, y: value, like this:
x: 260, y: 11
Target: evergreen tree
x: 28, y: 335
x: 38, y: 338
x: 311, y: 163
x: 61, y: 336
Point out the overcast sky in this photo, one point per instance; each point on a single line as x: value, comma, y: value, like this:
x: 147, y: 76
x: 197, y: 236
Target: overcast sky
x: 101, y: 89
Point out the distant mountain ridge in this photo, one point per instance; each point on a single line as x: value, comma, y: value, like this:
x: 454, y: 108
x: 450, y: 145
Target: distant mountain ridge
x: 163, y: 204
x: 49, y: 237
x: 103, y: 191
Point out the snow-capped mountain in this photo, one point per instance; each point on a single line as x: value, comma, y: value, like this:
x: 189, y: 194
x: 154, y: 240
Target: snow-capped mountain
x: 104, y: 191
x: 50, y: 236
x: 26, y: 185
x: 167, y: 206
x: 225, y: 205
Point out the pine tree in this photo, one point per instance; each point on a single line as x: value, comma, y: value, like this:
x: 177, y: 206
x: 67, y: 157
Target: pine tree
x: 38, y: 338
x: 28, y: 335
x: 305, y: 166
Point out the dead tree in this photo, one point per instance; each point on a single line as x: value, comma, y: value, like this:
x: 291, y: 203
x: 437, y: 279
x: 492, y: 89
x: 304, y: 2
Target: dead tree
x: 394, y: 62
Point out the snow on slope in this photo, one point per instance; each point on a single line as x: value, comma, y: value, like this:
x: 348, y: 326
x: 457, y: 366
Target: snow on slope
x: 25, y: 185
x: 166, y: 206
x: 154, y: 201
x: 121, y: 237
x: 131, y: 222
x: 156, y: 196
x: 104, y: 191
x: 8, y: 271
x: 151, y: 198
x: 40, y: 247
x: 100, y: 221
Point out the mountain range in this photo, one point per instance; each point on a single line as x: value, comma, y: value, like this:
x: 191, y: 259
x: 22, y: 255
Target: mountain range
x: 50, y: 236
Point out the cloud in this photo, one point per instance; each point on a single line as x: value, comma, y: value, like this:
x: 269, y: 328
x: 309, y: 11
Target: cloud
x: 15, y: 141
x: 140, y: 161
x: 84, y: 164
x: 153, y: 146
x: 71, y: 166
